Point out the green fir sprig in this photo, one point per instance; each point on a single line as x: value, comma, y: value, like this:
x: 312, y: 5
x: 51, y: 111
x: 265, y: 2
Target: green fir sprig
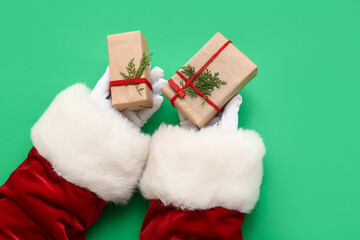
x: 205, y: 81
x: 132, y: 72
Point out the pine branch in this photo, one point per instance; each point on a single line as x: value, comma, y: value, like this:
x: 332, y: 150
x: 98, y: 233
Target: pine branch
x: 144, y: 62
x: 206, y: 82
x: 133, y: 73
x: 138, y: 89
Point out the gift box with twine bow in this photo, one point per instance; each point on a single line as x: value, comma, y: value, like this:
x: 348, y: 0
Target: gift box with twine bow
x: 215, y: 74
x: 129, y: 64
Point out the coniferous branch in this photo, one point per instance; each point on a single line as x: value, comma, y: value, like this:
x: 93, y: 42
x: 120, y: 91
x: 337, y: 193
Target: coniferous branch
x: 205, y: 81
x: 144, y: 62
x: 139, y: 89
x: 133, y: 73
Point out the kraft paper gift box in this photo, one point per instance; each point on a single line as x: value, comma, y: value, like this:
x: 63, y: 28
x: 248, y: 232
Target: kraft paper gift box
x: 133, y: 93
x: 223, y: 58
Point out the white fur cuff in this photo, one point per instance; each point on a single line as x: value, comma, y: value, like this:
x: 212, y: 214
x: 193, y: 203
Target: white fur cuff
x: 204, y: 169
x: 97, y: 149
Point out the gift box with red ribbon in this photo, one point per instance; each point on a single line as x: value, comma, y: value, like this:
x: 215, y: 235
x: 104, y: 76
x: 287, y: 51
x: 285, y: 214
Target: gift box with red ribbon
x: 129, y: 71
x: 215, y: 74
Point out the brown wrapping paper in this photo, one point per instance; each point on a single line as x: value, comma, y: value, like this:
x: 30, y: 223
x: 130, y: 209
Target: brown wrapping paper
x: 122, y: 48
x: 233, y: 67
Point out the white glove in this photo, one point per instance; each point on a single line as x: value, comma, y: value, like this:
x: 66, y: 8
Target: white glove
x: 226, y: 119
x: 101, y: 95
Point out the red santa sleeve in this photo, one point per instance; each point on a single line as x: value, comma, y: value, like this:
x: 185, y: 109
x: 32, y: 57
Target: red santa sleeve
x: 201, y: 183
x: 83, y: 158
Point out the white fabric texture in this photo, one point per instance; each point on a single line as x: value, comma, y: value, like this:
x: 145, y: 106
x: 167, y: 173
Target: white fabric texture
x: 101, y: 95
x: 92, y: 147
x: 198, y: 170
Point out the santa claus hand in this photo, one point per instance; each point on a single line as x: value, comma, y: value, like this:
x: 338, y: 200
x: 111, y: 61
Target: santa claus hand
x: 226, y: 119
x: 101, y: 91
x: 101, y: 95
x: 208, y: 178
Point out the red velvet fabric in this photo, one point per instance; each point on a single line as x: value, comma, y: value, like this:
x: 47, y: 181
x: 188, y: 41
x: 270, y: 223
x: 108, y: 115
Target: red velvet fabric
x: 35, y: 203
x: 167, y: 222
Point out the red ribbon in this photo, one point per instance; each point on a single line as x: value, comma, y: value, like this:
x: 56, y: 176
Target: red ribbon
x: 198, y: 92
x: 130, y: 81
x: 177, y: 88
x: 179, y: 91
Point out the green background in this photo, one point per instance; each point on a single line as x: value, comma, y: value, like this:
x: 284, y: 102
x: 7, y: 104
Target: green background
x: 304, y: 101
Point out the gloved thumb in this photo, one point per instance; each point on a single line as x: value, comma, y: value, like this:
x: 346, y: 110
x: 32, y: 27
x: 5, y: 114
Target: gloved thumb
x: 145, y: 114
x: 102, y: 89
x: 229, y: 119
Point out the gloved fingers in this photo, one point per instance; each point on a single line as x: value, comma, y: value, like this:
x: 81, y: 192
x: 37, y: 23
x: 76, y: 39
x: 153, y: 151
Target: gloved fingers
x: 157, y: 86
x: 229, y: 118
x: 215, y: 121
x: 185, y: 123
x: 145, y: 114
x: 156, y: 73
x: 181, y: 116
x: 102, y: 88
x: 157, y: 80
x: 133, y: 117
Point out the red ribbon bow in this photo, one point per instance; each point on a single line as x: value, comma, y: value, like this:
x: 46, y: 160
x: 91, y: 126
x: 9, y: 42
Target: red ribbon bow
x: 188, y: 82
